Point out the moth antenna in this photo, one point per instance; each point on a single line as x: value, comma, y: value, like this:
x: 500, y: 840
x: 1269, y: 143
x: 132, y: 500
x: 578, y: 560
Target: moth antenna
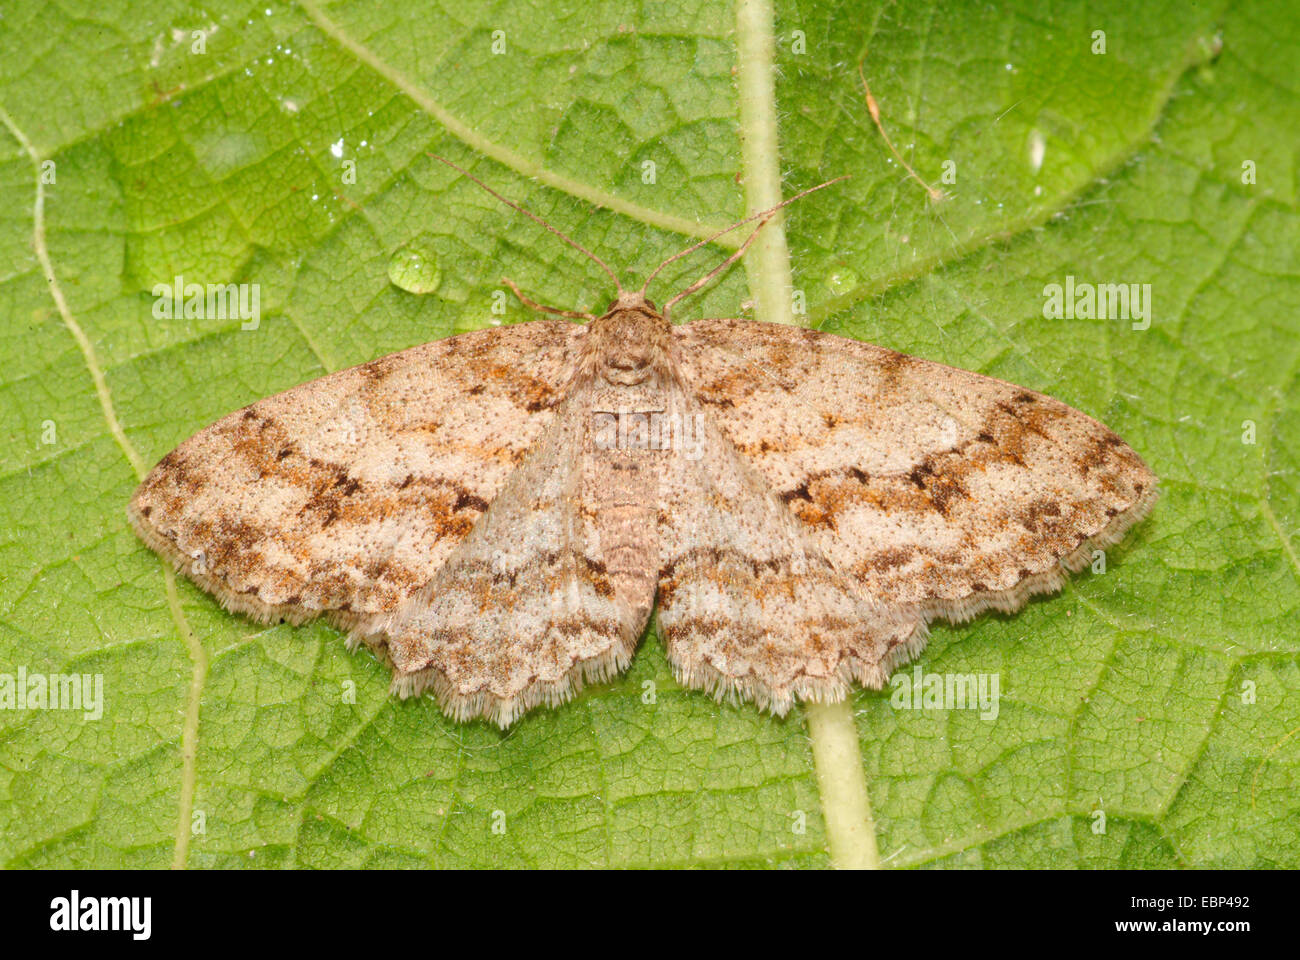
x: 719, y: 268
x: 873, y: 108
x: 763, y: 215
x: 535, y: 218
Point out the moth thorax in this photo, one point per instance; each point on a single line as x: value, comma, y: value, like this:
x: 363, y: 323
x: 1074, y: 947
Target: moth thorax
x: 631, y: 345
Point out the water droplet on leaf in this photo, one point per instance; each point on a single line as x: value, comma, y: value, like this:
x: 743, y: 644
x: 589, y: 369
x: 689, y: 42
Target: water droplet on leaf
x: 414, y: 269
x: 842, y: 281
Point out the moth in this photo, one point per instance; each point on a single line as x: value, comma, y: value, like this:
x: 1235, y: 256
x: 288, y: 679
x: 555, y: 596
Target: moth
x: 497, y: 514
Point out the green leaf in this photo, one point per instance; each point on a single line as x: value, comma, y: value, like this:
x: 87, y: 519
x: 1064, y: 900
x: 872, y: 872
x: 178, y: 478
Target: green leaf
x: 1164, y: 692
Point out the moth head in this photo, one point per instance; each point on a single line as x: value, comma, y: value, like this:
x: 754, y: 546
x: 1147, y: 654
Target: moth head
x: 632, y: 300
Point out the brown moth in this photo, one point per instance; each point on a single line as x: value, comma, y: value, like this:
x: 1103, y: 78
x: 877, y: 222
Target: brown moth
x: 496, y: 514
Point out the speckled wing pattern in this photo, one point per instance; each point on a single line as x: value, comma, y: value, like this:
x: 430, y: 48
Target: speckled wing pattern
x: 939, y: 491
x: 525, y: 610
x: 461, y: 508
x: 750, y: 606
x: 346, y: 494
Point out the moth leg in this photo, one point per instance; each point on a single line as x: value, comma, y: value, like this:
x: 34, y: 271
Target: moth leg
x: 533, y: 305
